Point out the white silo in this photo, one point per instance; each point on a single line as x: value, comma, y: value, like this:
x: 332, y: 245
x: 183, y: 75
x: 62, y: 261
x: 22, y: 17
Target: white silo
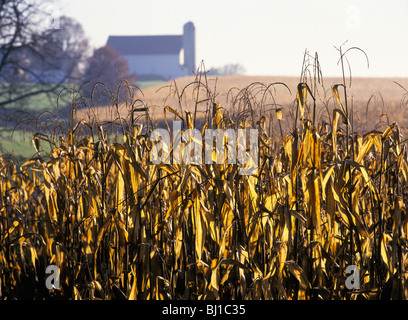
x: 189, y: 48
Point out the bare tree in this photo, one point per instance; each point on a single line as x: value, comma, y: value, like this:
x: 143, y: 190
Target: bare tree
x: 109, y: 67
x: 36, y: 58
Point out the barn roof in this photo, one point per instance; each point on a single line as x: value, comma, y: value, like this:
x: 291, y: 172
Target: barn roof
x: 138, y: 45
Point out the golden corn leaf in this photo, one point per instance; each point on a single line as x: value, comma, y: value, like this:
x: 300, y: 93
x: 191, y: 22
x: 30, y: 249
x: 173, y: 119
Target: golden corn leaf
x: 133, y: 292
x: 326, y: 178
x: 76, y: 294
x: 301, y: 97
x: 336, y: 95
x: 364, y: 149
x: 175, y: 112
x: 298, y: 272
x: 316, y: 150
x: 224, y: 240
x: 33, y: 254
x: 315, y: 203
x: 123, y: 233
x: 262, y: 123
x: 226, y: 274
x: 384, y: 252
x: 102, y: 231
x: 200, y: 231
x: 335, y: 122
x: 388, y: 131
x: 215, y: 275
x: 279, y: 114
x: 218, y: 117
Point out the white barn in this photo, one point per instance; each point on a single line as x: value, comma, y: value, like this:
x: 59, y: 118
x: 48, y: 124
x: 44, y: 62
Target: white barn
x: 161, y: 57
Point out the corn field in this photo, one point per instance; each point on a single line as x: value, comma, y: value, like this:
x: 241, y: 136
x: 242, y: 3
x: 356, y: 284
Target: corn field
x: 119, y: 227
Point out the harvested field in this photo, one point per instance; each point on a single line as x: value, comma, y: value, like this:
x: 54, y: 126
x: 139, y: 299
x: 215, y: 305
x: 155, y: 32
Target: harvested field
x: 376, y: 101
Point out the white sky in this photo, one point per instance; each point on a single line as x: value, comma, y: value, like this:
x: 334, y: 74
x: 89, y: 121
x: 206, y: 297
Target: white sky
x: 267, y: 37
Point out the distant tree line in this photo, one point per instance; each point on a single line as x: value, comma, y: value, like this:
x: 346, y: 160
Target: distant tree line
x: 228, y: 69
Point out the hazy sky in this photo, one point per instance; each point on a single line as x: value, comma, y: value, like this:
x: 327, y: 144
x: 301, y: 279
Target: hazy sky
x: 267, y: 37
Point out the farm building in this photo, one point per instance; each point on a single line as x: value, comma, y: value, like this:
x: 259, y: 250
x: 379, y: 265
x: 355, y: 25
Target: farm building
x: 159, y: 57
